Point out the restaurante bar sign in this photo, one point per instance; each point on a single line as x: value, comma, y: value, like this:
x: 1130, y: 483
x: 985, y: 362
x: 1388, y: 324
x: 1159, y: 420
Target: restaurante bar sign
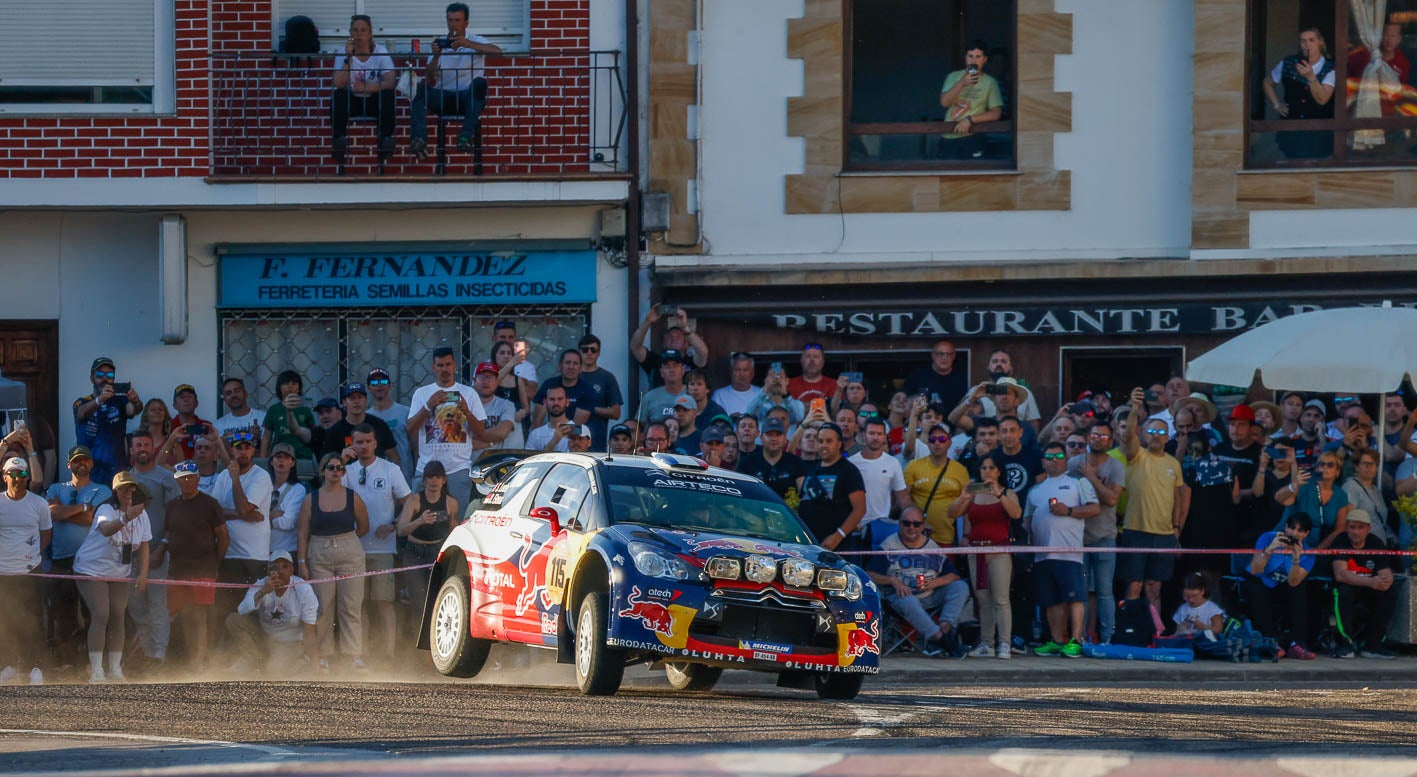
x: 1038, y: 321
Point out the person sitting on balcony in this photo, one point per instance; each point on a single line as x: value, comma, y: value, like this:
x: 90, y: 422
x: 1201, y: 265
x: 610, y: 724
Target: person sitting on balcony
x: 454, y: 81
x: 363, y: 86
x: 969, y: 97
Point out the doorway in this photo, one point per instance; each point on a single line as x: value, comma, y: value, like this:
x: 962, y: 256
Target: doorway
x: 1118, y: 369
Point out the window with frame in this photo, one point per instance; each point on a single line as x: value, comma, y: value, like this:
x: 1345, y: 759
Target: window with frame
x: 919, y: 73
x: 1317, y: 95
x: 506, y: 23
x: 118, y: 58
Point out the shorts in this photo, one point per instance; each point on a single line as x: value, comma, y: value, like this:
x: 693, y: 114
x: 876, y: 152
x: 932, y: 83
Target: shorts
x: 379, y: 588
x: 1139, y: 567
x: 1058, y: 582
x: 180, y: 597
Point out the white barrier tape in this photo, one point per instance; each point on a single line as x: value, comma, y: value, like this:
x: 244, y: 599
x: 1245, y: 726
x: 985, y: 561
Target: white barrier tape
x: 209, y: 583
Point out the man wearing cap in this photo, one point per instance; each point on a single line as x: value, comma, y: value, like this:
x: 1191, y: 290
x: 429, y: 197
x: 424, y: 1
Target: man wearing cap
x: 380, y: 484
x: 885, y: 483
x: 1157, y: 504
x: 101, y: 418
x: 356, y: 412
x: 503, y: 431
x: 195, y: 543
x: 1007, y: 395
x: 771, y: 463
x: 446, y: 417
x: 686, y: 414
x: 71, y: 509
x: 244, y: 492
x: 1309, y: 442
x: 580, y: 397
x: 812, y: 383
x: 609, y: 402
x: 25, y: 529
x: 184, y: 401
x: 740, y: 393
x: 1364, y: 592
x: 382, y: 405
x: 939, y: 382
x: 275, y: 622
x: 934, y: 482
x: 1248, y: 462
x: 555, y: 433
x: 710, y: 447
x: 579, y: 440
x: 239, y: 415
x: 679, y: 338
x: 327, y: 414
x: 657, y: 404
x: 622, y: 440
x: 1001, y: 365
x: 149, y: 606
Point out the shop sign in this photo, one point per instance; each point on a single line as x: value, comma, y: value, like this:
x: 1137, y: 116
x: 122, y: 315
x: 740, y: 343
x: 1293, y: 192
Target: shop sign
x: 1050, y: 321
x: 259, y: 279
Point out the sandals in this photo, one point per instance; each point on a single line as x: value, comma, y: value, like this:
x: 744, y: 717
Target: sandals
x: 419, y: 148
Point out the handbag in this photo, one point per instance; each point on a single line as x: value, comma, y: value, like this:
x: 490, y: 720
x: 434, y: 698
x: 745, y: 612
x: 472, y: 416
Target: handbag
x: 408, y: 83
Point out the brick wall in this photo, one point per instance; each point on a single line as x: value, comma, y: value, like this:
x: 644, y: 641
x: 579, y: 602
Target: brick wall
x: 537, y: 120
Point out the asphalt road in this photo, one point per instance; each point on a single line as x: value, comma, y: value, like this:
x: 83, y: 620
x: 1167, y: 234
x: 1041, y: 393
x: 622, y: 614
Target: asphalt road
x: 81, y: 728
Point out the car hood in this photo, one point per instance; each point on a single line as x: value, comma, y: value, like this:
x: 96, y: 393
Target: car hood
x: 703, y: 545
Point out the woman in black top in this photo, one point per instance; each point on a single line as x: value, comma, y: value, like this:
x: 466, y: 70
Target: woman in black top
x: 426, y: 522
x: 332, y: 520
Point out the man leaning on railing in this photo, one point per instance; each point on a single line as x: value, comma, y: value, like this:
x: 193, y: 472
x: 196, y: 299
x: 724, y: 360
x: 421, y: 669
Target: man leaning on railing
x: 454, y: 81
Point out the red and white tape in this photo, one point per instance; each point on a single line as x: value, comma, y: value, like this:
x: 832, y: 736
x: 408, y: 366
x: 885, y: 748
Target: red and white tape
x: 213, y: 584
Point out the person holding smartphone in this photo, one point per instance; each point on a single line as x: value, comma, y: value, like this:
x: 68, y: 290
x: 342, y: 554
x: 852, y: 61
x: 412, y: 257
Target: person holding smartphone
x: 426, y: 520
x: 969, y: 97
x: 115, y: 548
x: 101, y: 419
x: 1275, y: 581
x: 446, y: 415
x: 555, y: 434
x: 454, y: 81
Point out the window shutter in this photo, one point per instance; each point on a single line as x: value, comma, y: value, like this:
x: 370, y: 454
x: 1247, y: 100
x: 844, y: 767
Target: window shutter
x: 506, y: 22
x: 78, y: 43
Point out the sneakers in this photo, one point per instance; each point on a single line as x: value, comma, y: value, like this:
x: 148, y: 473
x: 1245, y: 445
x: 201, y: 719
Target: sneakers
x: 1343, y: 651
x: 982, y: 651
x: 1378, y: 651
x: 387, y: 148
x: 36, y: 677
x: 1003, y: 651
x: 1299, y: 652
x: 1073, y: 649
x: 116, y: 675
x: 1049, y: 648
x: 419, y: 148
x: 464, y: 143
x: 96, y: 676
x: 7, y: 675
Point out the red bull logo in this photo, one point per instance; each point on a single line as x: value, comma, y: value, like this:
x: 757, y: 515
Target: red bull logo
x: 859, y: 641
x: 653, y: 615
x: 743, y: 545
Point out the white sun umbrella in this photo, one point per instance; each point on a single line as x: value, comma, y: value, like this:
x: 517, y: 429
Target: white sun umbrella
x: 1359, y: 350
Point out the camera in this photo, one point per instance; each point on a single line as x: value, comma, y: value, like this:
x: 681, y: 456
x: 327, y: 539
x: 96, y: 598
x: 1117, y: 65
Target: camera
x: 1275, y: 452
x: 853, y: 377
x: 1286, y: 539
x: 445, y: 42
x: 197, y: 430
x: 668, y: 310
x: 972, y: 69
x: 997, y: 390
x: 121, y: 389
x: 1152, y: 396
x: 978, y: 488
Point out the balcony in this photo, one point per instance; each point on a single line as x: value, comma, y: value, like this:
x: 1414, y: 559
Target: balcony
x: 552, y: 115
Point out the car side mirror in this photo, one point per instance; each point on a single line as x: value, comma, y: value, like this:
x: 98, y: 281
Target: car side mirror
x: 549, y: 515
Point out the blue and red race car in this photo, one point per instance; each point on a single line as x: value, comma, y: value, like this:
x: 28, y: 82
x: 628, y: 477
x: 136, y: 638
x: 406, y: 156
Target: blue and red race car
x: 619, y: 560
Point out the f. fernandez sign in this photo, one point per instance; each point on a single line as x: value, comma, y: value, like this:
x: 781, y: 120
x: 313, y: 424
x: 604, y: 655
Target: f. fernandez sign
x: 256, y: 279
x: 1038, y: 321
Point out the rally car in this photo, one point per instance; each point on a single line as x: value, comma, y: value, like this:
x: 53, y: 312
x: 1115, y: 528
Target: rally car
x: 618, y: 560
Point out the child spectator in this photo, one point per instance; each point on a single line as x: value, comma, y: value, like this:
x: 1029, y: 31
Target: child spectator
x: 1198, y: 613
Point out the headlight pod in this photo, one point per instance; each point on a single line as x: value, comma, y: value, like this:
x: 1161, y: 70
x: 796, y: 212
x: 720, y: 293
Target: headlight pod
x: 838, y: 582
x: 653, y: 562
x: 853, y: 587
x: 798, y: 572
x: 760, y: 569
x: 724, y: 568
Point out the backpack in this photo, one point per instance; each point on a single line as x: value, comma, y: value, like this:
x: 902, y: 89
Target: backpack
x: 1134, y: 624
x: 301, y: 36
x: 1245, y: 643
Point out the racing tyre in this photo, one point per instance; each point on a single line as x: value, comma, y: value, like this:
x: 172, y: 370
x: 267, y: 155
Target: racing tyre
x: 692, y: 677
x: 455, y: 652
x: 842, y: 687
x: 599, y: 667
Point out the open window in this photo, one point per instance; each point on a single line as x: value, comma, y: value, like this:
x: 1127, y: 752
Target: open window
x: 902, y: 56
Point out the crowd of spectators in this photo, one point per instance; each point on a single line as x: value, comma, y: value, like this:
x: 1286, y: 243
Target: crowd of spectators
x: 264, y: 501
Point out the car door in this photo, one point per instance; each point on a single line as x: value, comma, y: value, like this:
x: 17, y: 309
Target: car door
x: 495, y: 548
x: 565, y: 489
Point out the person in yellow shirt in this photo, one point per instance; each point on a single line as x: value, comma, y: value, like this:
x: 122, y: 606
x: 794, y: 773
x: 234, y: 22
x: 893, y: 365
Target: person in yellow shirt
x: 1158, y: 500
x: 935, y: 481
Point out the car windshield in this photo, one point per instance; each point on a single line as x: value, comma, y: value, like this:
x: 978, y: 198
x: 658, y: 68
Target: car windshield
x: 691, y: 501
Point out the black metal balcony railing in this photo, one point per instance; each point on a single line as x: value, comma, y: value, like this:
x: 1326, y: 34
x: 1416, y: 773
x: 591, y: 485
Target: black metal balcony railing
x: 554, y: 113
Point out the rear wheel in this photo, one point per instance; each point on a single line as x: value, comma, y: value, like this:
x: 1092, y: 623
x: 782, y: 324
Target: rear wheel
x: 455, y: 652
x: 599, y: 667
x: 843, y: 687
x: 692, y: 677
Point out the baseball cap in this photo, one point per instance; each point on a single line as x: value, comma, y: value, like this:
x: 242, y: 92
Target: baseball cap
x: 671, y: 355
x: 485, y: 367
x: 327, y: 402
x: 1360, y: 516
x: 712, y: 434
x: 282, y: 555
x: 503, y: 325
x: 378, y: 373
x: 774, y: 424
x: 282, y: 447
x: 722, y: 419
x: 78, y: 452
x: 1242, y: 413
x: 99, y: 362
x: 687, y: 402
x: 16, y: 464
x: 1317, y: 403
x: 620, y: 429
x: 352, y: 388
x: 185, y: 469
x: 181, y: 388
x: 580, y: 431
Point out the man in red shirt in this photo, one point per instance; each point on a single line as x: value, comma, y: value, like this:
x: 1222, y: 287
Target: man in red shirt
x: 1359, y: 58
x: 812, y: 384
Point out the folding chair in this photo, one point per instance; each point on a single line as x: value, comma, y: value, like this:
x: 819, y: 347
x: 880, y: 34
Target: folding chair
x: 900, y: 636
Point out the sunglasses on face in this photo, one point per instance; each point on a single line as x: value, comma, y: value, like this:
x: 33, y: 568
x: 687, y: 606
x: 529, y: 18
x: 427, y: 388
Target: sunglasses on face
x: 912, y: 523
x: 1055, y: 456
x: 1326, y: 465
x: 379, y: 382
x: 334, y: 468
x: 939, y: 438
x: 110, y: 374
x: 590, y: 349
x: 18, y: 474
x: 1156, y: 432
x: 1077, y: 445
x: 1345, y: 399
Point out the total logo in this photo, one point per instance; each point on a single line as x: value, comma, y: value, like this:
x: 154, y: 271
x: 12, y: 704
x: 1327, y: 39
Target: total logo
x: 859, y: 641
x: 653, y: 615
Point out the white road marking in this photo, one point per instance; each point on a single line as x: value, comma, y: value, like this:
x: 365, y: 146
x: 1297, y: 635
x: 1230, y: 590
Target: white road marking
x: 1348, y: 767
x: 873, y: 719
x: 772, y: 763
x: 268, y: 750
x: 1053, y: 763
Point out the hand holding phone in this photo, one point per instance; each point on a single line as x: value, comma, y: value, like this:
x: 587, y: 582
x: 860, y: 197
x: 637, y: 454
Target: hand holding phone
x: 979, y: 488
x: 818, y: 405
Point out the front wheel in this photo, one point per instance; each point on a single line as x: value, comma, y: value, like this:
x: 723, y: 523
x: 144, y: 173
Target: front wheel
x: 692, y: 677
x: 842, y: 687
x: 599, y: 667
x: 455, y: 652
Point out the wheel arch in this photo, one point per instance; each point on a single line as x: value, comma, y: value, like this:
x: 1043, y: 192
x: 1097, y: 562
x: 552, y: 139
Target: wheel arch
x: 452, y: 562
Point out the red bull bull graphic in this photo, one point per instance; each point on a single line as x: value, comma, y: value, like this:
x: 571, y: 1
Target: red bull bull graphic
x: 654, y: 616
x: 746, y: 546
x: 861, y: 641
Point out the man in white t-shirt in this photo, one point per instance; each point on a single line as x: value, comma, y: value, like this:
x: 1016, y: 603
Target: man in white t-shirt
x: 740, y: 391
x: 382, y: 405
x: 239, y: 417
x: 276, y: 620
x: 244, y: 492
x: 25, y: 529
x: 453, y: 82
x: 502, y: 429
x: 1055, y: 517
x: 885, y: 484
x: 555, y: 434
x: 380, y: 484
x: 447, y: 416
